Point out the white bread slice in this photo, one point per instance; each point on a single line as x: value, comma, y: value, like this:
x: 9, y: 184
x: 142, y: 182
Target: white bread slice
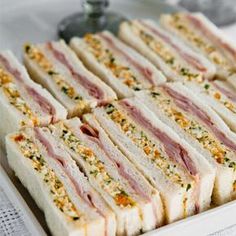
x: 204, y: 37
x: 172, y: 194
x: 56, y: 67
x: 166, y: 52
x: 220, y: 96
x: 147, y: 213
x: 24, y: 93
x: 144, y: 72
x: 75, y: 217
x: 185, y: 123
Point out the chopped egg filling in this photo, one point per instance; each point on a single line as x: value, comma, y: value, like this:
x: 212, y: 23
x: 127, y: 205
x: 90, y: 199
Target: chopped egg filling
x: 140, y: 139
x: 166, y: 54
x: 11, y: 92
x: 42, y: 61
x: 181, y: 26
x: 107, y: 58
x: 97, y: 169
x: 199, y: 132
x: 57, y: 191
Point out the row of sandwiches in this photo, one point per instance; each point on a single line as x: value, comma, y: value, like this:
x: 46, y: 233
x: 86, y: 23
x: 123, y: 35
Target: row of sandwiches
x: 130, y: 166
x: 144, y: 152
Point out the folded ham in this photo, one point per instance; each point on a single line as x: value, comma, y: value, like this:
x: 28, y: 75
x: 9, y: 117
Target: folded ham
x: 203, y: 36
x: 220, y: 96
x: 118, y: 65
x: 183, y: 177
x: 136, y: 203
x: 70, y: 204
x: 23, y: 102
x: 166, y: 52
x: 57, y: 68
x: 201, y: 127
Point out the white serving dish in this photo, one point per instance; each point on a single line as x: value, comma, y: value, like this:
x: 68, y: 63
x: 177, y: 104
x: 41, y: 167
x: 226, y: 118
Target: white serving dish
x: 36, y: 21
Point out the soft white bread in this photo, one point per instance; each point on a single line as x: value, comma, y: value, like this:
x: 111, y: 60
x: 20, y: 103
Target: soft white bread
x: 135, y: 210
x: 203, y: 36
x: 166, y: 52
x: 22, y: 102
x: 220, y: 96
x: 132, y: 175
x: 54, y: 189
x: 158, y: 173
x: 199, y: 135
x: 115, y: 63
x: 56, y: 67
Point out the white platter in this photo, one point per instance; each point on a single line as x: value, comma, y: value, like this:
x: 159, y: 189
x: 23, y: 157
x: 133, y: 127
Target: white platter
x: 36, y: 21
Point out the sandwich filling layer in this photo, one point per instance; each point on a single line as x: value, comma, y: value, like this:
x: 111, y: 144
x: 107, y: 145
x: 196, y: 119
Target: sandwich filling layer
x: 163, y: 47
x: 58, y: 192
x: 97, y: 169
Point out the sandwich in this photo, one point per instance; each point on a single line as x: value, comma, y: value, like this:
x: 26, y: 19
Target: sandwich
x: 70, y: 204
x: 182, y: 176
x: 176, y: 60
x: 116, y: 64
x: 202, y: 128
x: 23, y: 103
x: 204, y: 37
x: 220, y: 96
x: 57, y: 68
x: 136, y: 204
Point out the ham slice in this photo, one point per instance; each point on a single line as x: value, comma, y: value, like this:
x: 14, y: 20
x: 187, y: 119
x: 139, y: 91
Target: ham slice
x: 92, y: 88
x: 86, y: 196
x: 93, y: 135
x: 145, y: 71
x: 44, y: 104
x: 173, y: 150
x: 187, y: 105
x: 186, y: 56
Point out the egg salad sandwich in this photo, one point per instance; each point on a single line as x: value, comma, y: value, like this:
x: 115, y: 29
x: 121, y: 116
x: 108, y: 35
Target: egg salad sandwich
x: 202, y: 128
x: 182, y: 176
x: 69, y: 202
x: 116, y: 64
x: 57, y: 68
x: 23, y: 103
x: 220, y: 96
x: 203, y: 36
x: 176, y: 60
x: 136, y: 204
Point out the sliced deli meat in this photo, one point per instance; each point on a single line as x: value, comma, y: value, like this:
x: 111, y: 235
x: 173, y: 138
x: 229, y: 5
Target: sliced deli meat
x: 117, y: 64
x: 22, y: 102
x: 166, y: 52
x: 70, y: 204
x: 203, y: 36
x: 183, y: 177
x: 57, y: 68
x: 201, y: 127
x: 135, y: 202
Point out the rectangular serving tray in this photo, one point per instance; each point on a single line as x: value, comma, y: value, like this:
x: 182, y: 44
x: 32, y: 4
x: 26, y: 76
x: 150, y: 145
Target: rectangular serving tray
x: 40, y: 25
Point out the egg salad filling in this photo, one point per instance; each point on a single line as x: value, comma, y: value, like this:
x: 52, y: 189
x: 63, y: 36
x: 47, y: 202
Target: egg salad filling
x: 105, y: 57
x: 38, y: 57
x: 199, y: 132
x: 158, y: 46
x: 11, y: 92
x: 97, y: 169
x: 140, y: 139
x: 218, y: 96
x: 57, y: 191
x: 180, y: 24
